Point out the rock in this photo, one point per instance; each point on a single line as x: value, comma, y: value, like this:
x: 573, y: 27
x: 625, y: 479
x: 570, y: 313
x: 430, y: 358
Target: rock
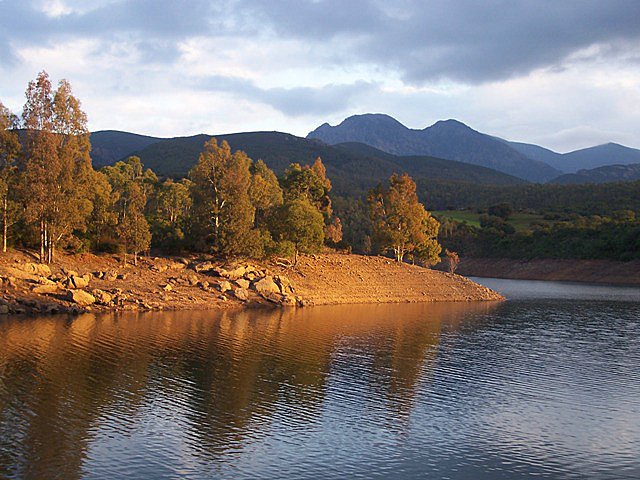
x: 265, y: 286
x: 78, y: 281
x: 224, y: 286
x: 273, y: 297
x: 122, y: 276
x: 111, y: 276
x: 69, y: 273
x: 42, y: 289
x: 203, y: 284
x: 4, y: 309
x: 98, y: 275
x: 236, y: 273
x: 204, y: 267
x: 284, y: 284
x: 242, y: 283
x: 80, y: 297
x: 192, y: 279
x: 102, y: 297
x: 35, y: 269
x: 159, y: 268
x: 241, y: 294
x: 167, y: 287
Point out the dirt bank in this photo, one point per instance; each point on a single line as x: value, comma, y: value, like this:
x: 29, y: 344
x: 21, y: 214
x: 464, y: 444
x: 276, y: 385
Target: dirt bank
x: 87, y: 282
x: 591, y: 271
x: 334, y: 278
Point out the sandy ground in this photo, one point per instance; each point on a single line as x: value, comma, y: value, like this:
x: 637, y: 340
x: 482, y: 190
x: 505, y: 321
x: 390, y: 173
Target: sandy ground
x: 181, y: 284
x: 591, y: 271
x: 336, y: 278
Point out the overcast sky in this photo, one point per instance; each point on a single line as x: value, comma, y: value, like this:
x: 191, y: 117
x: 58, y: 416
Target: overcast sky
x: 562, y: 74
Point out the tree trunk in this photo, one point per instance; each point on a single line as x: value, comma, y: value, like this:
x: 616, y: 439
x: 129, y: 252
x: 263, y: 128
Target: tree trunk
x: 135, y: 258
x: 42, y: 241
x: 295, y: 257
x: 4, y: 224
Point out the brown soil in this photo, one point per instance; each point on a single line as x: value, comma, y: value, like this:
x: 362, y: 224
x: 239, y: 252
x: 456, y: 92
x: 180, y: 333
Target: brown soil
x: 336, y: 278
x: 591, y: 271
x: 173, y: 283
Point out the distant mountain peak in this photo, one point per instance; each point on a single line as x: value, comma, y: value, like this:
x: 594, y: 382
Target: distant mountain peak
x: 449, y: 139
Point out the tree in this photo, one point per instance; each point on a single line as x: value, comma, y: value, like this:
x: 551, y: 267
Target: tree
x: 57, y: 167
x: 173, y: 201
x: 399, y: 221
x: 502, y: 210
x: 301, y: 224
x: 135, y: 234
x: 265, y: 191
x: 453, y: 260
x: 312, y: 183
x: 9, y: 150
x: 222, y: 208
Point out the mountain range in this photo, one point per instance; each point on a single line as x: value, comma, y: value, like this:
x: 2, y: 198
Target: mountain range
x: 372, y: 146
x: 352, y: 167
x: 454, y: 140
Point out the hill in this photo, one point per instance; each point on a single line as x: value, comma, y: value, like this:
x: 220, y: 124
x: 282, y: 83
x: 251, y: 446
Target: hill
x: 606, y: 174
x: 450, y: 139
x: 535, y: 152
x: 109, y: 146
x: 601, y: 155
x: 353, y: 167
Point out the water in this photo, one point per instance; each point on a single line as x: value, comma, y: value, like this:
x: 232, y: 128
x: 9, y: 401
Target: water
x: 546, y: 385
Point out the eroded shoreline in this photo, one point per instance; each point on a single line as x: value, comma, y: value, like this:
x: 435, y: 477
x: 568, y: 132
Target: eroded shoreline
x: 101, y: 283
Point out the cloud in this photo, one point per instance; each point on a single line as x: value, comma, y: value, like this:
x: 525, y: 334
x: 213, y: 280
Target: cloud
x: 294, y: 102
x: 520, y: 69
x: 463, y: 40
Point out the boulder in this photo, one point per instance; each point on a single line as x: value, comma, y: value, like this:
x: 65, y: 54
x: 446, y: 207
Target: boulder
x: 80, y: 297
x: 35, y: 269
x: 242, y: 283
x: 43, y: 289
x: 111, y: 276
x: 273, y: 297
x: 192, y: 279
x: 77, y: 281
x: 224, y: 286
x: 102, y: 297
x: 4, y: 309
x: 265, y: 286
x: 241, y: 294
x: 204, y: 267
x: 236, y: 273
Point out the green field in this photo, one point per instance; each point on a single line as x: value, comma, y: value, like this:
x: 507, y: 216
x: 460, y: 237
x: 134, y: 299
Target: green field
x: 520, y: 221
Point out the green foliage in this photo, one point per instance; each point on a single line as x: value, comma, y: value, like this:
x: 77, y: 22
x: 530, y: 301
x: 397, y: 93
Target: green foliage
x: 400, y: 222
x: 300, y: 223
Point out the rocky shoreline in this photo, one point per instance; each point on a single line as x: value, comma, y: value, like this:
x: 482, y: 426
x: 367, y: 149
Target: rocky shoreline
x: 100, y: 283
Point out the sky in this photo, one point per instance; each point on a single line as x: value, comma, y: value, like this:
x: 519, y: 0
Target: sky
x: 561, y: 74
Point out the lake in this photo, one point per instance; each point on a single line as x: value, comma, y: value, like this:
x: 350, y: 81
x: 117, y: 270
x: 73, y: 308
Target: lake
x: 545, y: 385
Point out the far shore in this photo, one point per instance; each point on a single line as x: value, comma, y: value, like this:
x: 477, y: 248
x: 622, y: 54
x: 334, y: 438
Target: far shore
x: 608, y: 272
x: 101, y: 283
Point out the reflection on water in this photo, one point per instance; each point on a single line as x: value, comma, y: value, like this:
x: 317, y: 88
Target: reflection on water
x: 451, y: 390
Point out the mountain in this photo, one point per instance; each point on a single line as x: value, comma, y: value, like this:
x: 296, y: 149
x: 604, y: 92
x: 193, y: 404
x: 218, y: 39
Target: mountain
x: 352, y: 167
x: 109, y: 146
x: 535, y: 152
x: 606, y: 174
x: 447, y: 139
x: 601, y: 155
